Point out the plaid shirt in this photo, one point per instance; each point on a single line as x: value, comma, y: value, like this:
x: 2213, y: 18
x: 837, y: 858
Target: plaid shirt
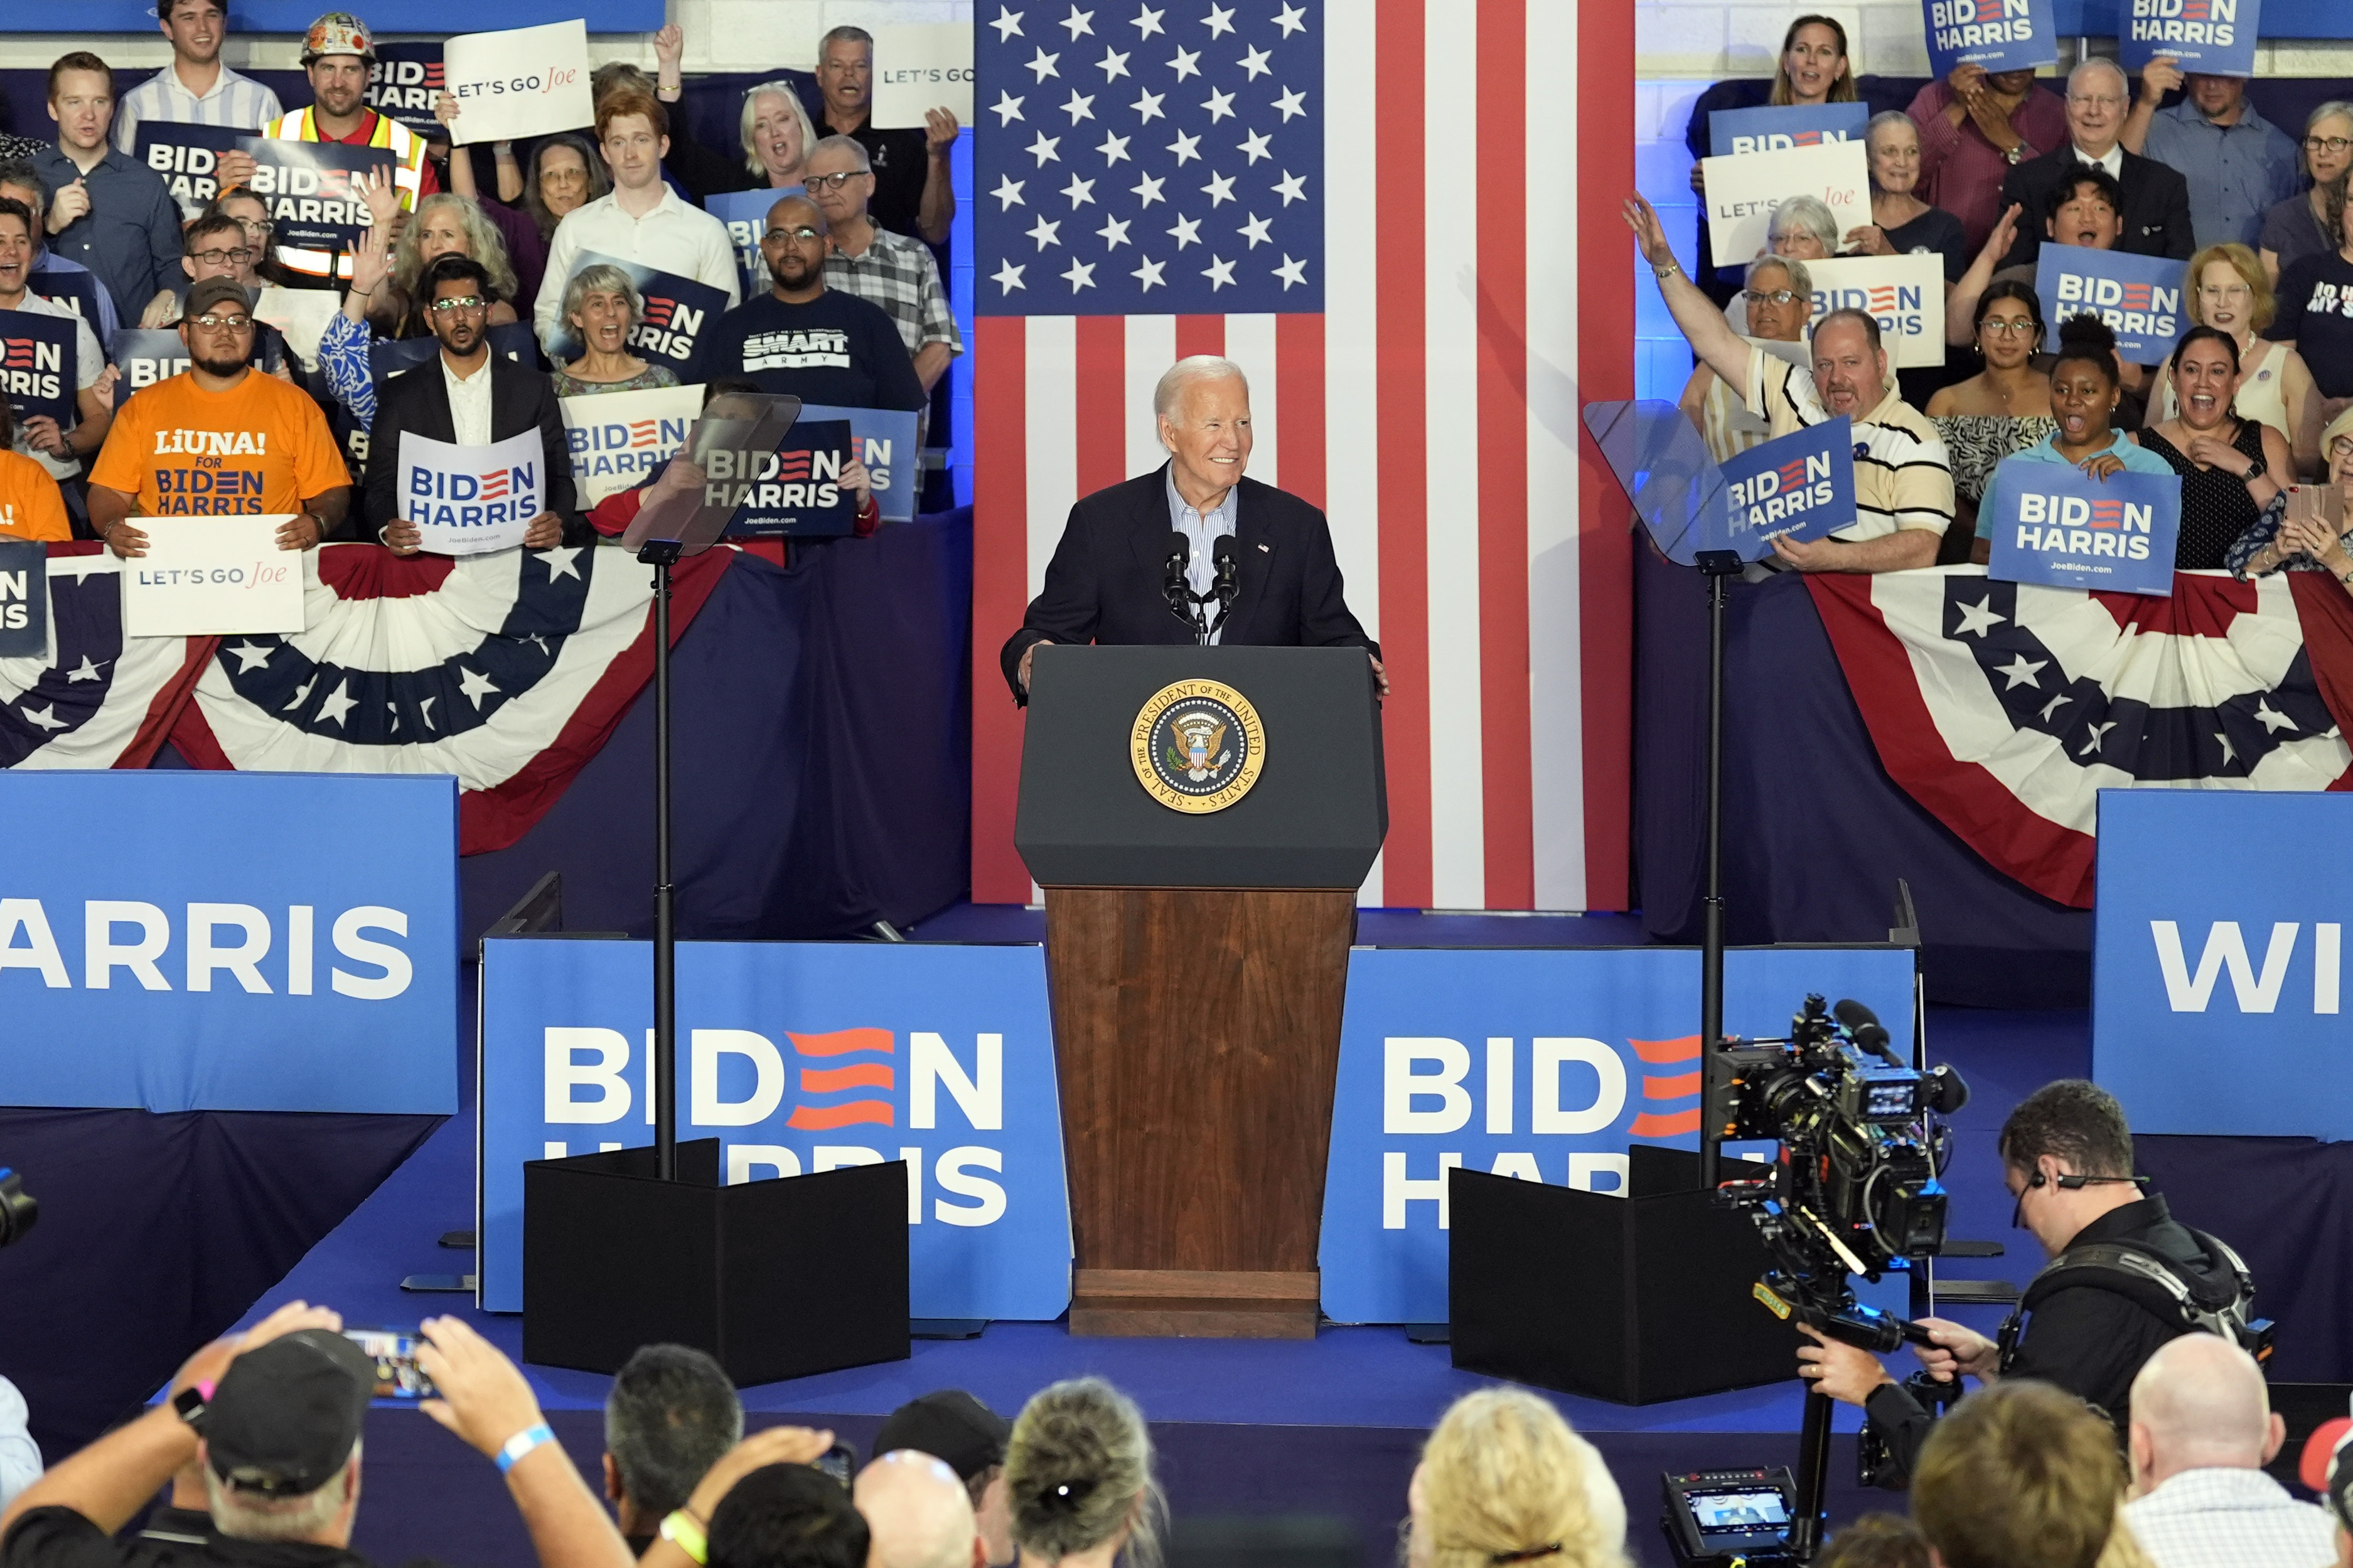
x: 2229, y: 1519
x: 899, y: 274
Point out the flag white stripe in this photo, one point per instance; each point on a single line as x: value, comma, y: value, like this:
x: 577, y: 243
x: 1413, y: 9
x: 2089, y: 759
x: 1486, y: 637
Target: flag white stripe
x: 1458, y: 844
x: 1151, y: 350
x: 1555, y: 688
x: 1250, y: 343
x: 1050, y: 453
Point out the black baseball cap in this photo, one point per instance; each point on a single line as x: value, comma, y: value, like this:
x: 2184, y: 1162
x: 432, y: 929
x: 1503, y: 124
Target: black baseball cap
x: 949, y: 1425
x: 203, y: 296
x: 286, y: 1414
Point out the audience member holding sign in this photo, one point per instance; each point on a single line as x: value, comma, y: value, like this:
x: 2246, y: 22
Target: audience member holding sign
x: 2083, y: 394
x: 775, y: 132
x: 1812, y: 70
x: 219, y: 438
x: 476, y: 398
x: 1903, y: 487
x: 601, y: 308
x: 2238, y: 163
x: 337, y: 54
x: 2231, y: 467
x: 2312, y: 540
x: 1975, y: 127
x: 57, y: 443
x: 817, y: 343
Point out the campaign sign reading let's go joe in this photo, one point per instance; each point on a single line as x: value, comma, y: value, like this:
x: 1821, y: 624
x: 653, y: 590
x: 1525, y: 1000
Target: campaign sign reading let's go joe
x: 2138, y: 297
x: 1799, y: 486
x: 1905, y: 294
x: 1774, y: 127
x: 799, y: 1057
x: 1999, y: 35
x: 1742, y: 191
x: 2056, y: 525
x: 2215, y: 38
x: 214, y: 576
x: 523, y: 81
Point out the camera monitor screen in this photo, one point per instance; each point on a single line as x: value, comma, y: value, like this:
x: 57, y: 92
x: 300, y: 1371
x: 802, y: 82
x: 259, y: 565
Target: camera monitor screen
x: 1739, y: 1511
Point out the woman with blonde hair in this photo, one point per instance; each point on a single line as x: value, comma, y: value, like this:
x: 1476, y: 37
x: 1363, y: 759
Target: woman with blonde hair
x: 1504, y: 1481
x: 443, y: 225
x: 2224, y: 286
x: 1078, y: 1481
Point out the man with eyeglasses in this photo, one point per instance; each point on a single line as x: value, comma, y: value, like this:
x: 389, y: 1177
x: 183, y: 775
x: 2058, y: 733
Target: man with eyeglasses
x: 55, y: 276
x: 2155, y: 198
x: 2237, y: 162
x: 2084, y: 1324
x: 914, y: 189
x: 641, y: 219
x: 471, y: 398
x: 219, y: 439
x: 58, y: 450
x: 218, y: 247
x: 801, y: 338
x: 872, y: 263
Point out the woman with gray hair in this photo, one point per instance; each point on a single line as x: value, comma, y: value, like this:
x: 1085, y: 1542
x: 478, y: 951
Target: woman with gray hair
x: 1778, y: 300
x: 2300, y: 226
x: 1901, y: 223
x: 1803, y: 229
x: 601, y: 306
x: 1079, y: 1479
x: 443, y: 225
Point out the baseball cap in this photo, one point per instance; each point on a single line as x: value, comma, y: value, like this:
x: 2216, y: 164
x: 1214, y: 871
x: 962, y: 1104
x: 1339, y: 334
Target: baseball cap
x: 286, y: 1414
x: 204, y: 295
x: 949, y: 1425
x: 338, y: 33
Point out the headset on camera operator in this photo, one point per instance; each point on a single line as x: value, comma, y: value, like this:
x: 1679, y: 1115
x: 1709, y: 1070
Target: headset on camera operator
x: 2125, y: 1278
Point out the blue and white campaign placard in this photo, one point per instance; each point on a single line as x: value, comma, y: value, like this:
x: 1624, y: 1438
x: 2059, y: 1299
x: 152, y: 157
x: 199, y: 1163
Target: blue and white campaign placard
x: 231, y: 942
x: 2215, y: 38
x: 676, y: 315
x: 2138, y: 297
x: 617, y: 438
x: 1776, y: 127
x: 215, y: 576
x: 1539, y: 1064
x: 308, y: 188
x: 1999, y: 35
x: 795, y: 491
x: 146, y: 356
x: 885, y: 442
x: 405, y: 83
x: 746, y: 214
x: 77, y: 291
x: 800, y: 1056
x: 38, y: 368
x: 1798, y: 486
x: 2217, y: 996
x: 1905, y: 294
x: 24, y: 595
x: 521, y: 81
x: 471, y: 501
x: 186, y: 158
x: 1742, y: 191
x: 2056, y: 525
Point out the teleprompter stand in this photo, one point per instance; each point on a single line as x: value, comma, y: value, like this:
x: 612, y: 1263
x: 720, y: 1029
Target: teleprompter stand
x: 633, y: 1247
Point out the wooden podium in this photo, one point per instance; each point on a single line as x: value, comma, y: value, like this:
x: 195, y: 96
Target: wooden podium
x: 1200, y: 819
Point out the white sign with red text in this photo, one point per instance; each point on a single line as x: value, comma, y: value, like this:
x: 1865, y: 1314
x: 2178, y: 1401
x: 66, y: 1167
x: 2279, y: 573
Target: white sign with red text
x: 212, y: 577
x: 1743, y: 189
x: 524, y: 81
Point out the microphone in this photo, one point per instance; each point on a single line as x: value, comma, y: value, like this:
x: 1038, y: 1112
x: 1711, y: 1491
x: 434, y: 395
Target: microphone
x: 1864, y: 1028
x: 1173, y: 586
x: 1227, y: 583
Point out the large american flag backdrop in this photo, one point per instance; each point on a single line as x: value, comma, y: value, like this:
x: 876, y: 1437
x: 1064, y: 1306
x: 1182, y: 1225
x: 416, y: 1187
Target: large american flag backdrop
x: 1399, y: 217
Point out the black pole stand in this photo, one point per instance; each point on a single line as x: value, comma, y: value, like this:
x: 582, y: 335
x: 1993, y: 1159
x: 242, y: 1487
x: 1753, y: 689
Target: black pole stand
x: 1717, y: 565
x: 661, y: 555
x: 1806, y: 1519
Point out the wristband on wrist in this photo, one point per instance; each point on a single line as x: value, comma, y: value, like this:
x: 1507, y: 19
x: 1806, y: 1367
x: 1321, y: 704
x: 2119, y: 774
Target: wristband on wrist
x: 523, y: 1443
x: 682, y: 1531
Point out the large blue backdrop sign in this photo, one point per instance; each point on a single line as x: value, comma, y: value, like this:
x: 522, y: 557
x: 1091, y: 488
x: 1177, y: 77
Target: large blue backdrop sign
x: 229, y: 942
x: 1538, y: 1064
x: 800, y: 1056
x: 2217, y: 998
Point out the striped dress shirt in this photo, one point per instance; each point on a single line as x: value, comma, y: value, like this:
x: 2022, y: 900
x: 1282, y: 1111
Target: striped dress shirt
x: 235, y: 99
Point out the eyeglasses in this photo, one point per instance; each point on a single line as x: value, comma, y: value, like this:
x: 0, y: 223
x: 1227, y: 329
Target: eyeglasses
x: 1777, y: 297
x: 224, y: 323
x: 2009, y: 329
x: 458, y: 302
x: 237, y: 257
x: 801, y: 236
x: 2328, y: 144
x: 2097, y: 100
x: 830, y: 181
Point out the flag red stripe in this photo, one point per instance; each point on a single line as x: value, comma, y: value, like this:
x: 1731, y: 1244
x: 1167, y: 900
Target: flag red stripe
x: 1400, y: 149
x: 1299, y: 403
x: 1000, y: 591
x: 1605, y: 370
x: 1101, y: 406
x: 170, y: 706
x: 1200, y: 335
x: 1506, y: 786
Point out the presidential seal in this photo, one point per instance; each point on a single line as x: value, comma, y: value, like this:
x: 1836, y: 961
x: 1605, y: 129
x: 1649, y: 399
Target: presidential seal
x: 1198, y: 746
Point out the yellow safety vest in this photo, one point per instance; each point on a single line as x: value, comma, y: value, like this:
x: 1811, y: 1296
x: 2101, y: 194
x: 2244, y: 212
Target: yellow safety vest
x: 407, y: 173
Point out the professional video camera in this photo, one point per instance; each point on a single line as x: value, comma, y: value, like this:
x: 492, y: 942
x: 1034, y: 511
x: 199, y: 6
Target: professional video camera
x: 18, y: 1209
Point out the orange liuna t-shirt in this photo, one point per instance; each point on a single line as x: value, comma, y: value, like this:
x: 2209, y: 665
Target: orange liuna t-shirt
x: 30, y: 506
x: 256, y: 449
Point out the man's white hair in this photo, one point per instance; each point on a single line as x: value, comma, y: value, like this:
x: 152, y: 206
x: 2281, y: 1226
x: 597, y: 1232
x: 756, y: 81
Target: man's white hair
x: 1169, y: 396
x: 249, y: 1516
x: 2092, y: 64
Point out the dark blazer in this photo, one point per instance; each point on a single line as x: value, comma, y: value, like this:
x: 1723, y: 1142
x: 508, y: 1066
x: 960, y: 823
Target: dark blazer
x: 1103, y: 585
x: 418, y: 400
x: 2156, y: 206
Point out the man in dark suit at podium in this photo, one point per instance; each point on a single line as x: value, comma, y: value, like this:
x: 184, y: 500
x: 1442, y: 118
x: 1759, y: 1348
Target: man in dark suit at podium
x: 1258, y: 564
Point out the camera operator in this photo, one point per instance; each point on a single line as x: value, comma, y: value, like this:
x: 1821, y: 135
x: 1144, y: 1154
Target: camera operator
x: 2067, y: 1160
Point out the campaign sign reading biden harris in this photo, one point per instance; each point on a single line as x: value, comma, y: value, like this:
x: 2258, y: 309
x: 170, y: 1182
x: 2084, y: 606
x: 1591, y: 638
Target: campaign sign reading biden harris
x: 675, y: 316
x: 471, y: 501
x: 2215, y: 38
x: 37, y: 365
x: 2138, y: 297
x: 1539, y: 1064
x: 1799, y: 486
x: 307, y: 187
x: 1774, y: 127
x: 2056, y: 525
x: 800, y: 1056
x: 1999, y: 35
x: 230, y: 943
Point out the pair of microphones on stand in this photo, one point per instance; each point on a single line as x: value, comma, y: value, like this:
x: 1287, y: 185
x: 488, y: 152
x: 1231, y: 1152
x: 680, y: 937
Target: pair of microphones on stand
x: 1188, y: 606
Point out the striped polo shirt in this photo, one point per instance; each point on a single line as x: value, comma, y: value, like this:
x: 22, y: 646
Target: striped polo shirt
x: 1901, y: 475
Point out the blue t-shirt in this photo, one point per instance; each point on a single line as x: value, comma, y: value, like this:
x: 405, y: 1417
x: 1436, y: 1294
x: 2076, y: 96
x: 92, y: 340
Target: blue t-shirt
x: 2138, y: 459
